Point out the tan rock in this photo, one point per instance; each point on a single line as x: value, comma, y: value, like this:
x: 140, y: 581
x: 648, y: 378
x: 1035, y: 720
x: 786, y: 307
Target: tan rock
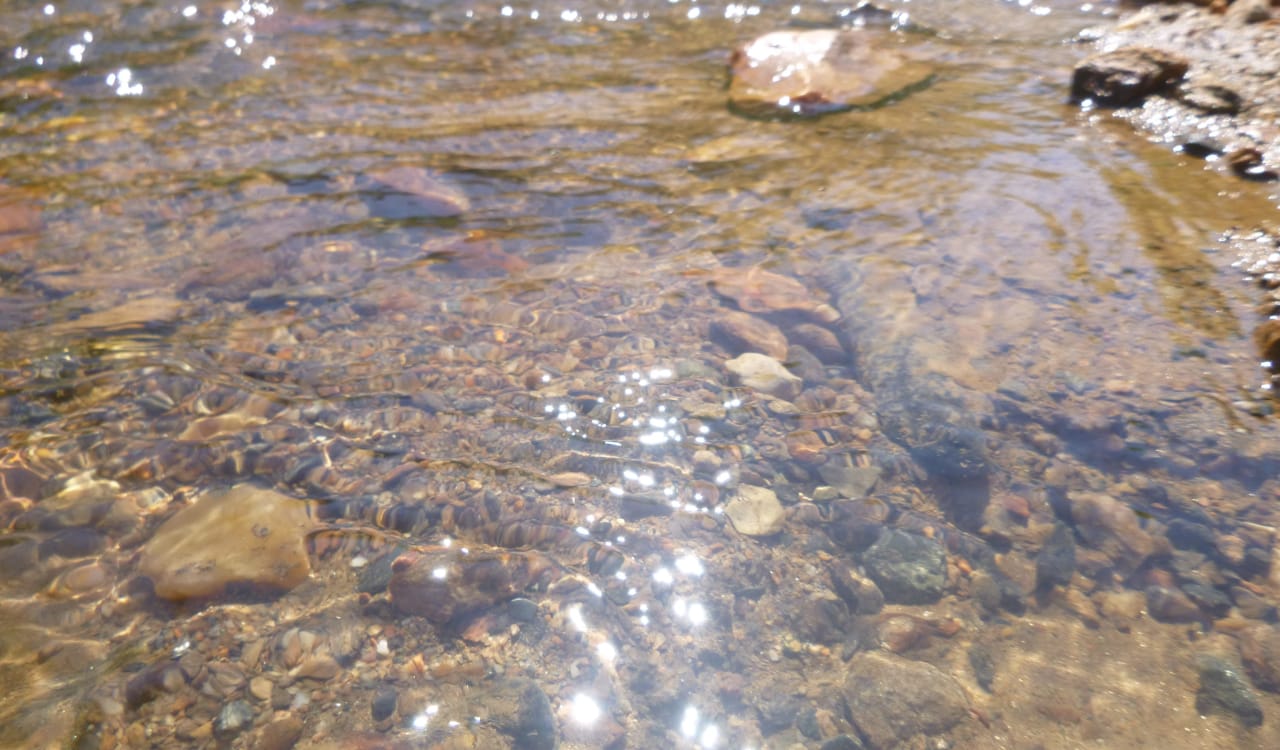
x: 755, y: 511
x: 245, y: 536
x: 812, y: 71
x: 763, y: 373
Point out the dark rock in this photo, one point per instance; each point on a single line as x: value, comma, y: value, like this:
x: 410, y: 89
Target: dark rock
x: 821, y: 619
x: 152, y: 682
x: 1171, y: 605
x: 821, y: 342
x: 1251, y: 605
x: 1223, y: 689
x: 234, y: 718
x: 519, y: 709
x: 1250, y: 163
x: 1124, y: 77
x: 72, y: 543
x: 1208, y: 598
x: 908, y: 568
x: 984, y: 666
x: 1185, y: 534
x: 891, y: 699
x: 1056, y: 562
x: 445, y: 587
x: 383, y: 704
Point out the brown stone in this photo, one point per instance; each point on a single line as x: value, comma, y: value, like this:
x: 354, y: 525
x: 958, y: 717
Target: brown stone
x: 757, y: 290
x: 806, y: 447
x: 245, y: 536
x: 892, y: 699
x: 281, y: 734
x: 1112, y: 527
x: 742, y: 332
x: 1260, y: 651
x: 1124, y: 77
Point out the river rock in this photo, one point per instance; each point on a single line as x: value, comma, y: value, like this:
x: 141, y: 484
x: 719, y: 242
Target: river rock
x: 1171, y: 605
x: 891, y: 700
x: 408, y: 191
x: 448, y: 588
x: 245, y: 536
x: 1056, y: 562
x: 1223, y: 689
x: 908, y: 568
x: 1124, y: 77
x: 759, y: 291
x: 742, y: 332
x: 755, y: 511
x: 1112, y: 527
x: 816, y: 71
x: 1260, y: 650
x: 763, y: 373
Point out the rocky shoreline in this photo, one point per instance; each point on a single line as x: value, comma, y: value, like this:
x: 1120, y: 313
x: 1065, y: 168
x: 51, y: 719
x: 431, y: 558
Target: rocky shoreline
x: 1205, y: 80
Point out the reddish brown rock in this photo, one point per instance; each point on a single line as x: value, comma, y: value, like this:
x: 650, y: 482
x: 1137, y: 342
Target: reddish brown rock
x: 742, y: 332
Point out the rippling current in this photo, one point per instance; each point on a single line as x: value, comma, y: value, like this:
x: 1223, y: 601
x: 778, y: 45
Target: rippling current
x: 372, y: 375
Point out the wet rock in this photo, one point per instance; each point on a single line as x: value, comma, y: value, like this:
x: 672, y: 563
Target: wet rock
x: 243, y: 537
x: 822, y: 343
x: 234, y: 718
x: 518, y: 708
x: 1210, y: 98
x: 908, y: 568
x: 407, y: 191
x: 891, y: 699
x: 1223, y: 689
x: 816, y: 71
x: 762, y: 373
x: 72, y: 543
x: 281, y: 734
x: 1124, y: 77
x: 1251, y: 163
x: 742, y: 332
x: 446, y: 587
x: 983, y: 664
x: 1112, y: 527
x: 1171, y: 605
x: 755, y: 511
x: 861, y: 594
x: 152, y: 682
x: 1190, y: 535
x: 1056, y: 562
x: 850, y: 480
x: 822, y: 618
x: 1260, y: 650
x: 384, y: 704
x: 144, y: 313
x: 759, y: 291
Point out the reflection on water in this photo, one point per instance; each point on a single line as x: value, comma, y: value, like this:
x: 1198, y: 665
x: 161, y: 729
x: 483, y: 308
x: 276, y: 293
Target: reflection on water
x: 434, y: 374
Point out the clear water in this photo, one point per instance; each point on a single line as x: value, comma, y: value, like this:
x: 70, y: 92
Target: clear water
x: 219, y: 292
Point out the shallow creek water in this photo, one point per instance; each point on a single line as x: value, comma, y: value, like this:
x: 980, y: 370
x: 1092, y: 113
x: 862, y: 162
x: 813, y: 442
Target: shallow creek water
x: 295, y: 455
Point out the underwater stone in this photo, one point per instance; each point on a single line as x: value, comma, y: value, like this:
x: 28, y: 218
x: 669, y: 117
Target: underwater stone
x: 908, y: 568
